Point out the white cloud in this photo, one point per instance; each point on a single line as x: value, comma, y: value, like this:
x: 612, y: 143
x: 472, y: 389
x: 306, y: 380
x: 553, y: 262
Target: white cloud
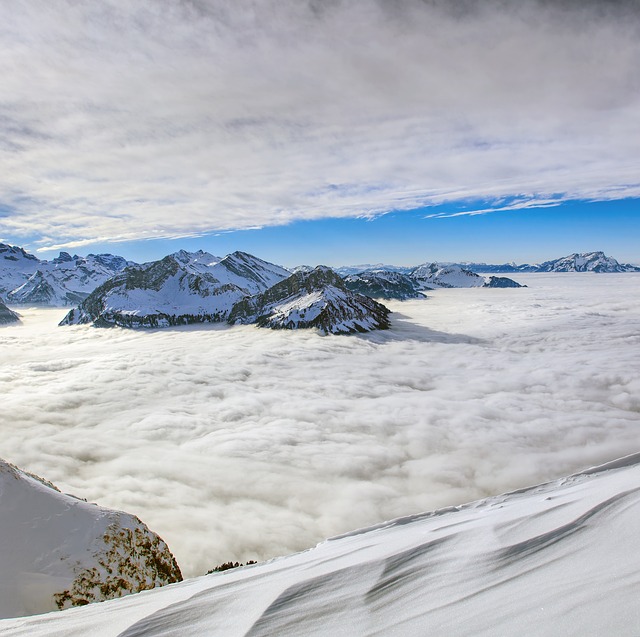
x: 241, y: 443
x: 160, y: 119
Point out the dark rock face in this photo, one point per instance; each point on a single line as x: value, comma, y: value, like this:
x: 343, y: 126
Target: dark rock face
x: 316, y: 299
x: 383, y: 284
x: 502, y: 282
x: 7, y: 316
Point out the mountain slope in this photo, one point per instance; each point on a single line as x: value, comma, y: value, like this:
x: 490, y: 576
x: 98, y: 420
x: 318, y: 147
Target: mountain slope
x: 7, y: 316
x: 179, y: 289
x: 436, y: 275
x: 16, y: 266
x: 312, y: 299
x: 383, y: 284
x: 57, y: 551
x: 559, y: 559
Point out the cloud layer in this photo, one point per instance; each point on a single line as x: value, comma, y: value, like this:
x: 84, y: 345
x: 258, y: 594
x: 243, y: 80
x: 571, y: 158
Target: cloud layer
x: 162, y: 119
x: 241, y: 443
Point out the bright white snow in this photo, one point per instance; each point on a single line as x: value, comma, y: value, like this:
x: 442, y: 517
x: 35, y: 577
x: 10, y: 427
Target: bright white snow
x: 556, y: 559
x: 56, y: 550
x: 238, y: 443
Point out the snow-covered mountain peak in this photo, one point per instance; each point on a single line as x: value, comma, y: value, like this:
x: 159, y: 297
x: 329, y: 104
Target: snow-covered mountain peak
x: 585, y: 262
x: 383, y: 284
x: 315, y: 299
x: 436, y: 275
x: 183, y: 287
x: 65, y: 280
x: 257, y: 273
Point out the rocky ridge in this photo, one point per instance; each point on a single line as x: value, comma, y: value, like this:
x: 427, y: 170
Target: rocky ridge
x: 65, y: 280
x: 317, y: 299
x: 383, y: 284
x: 7, y: 316
x: 180, y: 289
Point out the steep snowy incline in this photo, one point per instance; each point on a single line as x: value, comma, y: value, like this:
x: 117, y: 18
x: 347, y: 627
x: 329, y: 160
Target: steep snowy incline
x: 556, y: 559
x: 57, y: 551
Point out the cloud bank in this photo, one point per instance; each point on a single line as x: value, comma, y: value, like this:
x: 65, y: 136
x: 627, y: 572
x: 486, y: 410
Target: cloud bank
x: 241, y: 443
x: 123, y: 121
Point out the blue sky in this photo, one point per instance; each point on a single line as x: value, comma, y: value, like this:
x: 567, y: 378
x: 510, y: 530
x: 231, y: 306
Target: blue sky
x: 129, y: 125
x: 526, y: 235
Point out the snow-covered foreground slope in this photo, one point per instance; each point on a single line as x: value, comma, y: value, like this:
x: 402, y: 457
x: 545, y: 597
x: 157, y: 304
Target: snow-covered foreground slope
x: 555, y: 559
x: 57, y: 551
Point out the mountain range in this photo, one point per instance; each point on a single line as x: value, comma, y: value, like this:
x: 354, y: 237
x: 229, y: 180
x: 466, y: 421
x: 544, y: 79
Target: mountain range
x: 576, y: 262
x: 58, y: 551
x: 190, y: 287
x: 65, y: 280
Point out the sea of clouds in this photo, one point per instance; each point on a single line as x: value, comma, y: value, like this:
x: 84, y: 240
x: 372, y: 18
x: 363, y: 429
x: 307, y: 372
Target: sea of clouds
x: 239, y: 443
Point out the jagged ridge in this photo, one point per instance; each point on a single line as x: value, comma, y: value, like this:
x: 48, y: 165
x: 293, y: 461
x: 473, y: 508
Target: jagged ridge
x: 316, y: 299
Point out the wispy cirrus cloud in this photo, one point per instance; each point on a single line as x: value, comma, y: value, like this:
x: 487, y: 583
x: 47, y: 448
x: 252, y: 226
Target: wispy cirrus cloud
x: 165, y: 119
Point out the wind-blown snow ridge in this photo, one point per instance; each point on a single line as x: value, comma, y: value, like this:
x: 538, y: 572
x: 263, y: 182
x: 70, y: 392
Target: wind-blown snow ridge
x: 58, y: 551
x: 558, y: 558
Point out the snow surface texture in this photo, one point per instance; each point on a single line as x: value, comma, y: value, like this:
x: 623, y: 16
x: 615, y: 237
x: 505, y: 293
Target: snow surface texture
x: 57, y: 551
x: 65, y: 280
x: 185, y: 287
x: 237, y: 443
x: 556, y: 559
x: 317, y: 299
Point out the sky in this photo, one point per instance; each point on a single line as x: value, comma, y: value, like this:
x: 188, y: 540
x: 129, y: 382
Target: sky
x: 313, y: 130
